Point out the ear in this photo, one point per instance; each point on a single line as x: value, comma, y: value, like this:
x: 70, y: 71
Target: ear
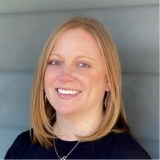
x: 107, y: 88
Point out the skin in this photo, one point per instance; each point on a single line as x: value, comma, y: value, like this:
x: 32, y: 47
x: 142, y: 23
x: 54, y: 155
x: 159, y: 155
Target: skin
x: 76, y: 66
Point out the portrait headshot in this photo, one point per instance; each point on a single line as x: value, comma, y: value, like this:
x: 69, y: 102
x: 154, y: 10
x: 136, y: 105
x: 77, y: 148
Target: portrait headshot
x: 81, y: 81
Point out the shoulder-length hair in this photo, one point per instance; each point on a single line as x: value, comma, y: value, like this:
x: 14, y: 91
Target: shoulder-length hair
x: 43, y: 115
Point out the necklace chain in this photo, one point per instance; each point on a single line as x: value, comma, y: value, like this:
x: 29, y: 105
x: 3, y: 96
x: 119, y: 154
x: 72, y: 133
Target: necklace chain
x: 65, y: 157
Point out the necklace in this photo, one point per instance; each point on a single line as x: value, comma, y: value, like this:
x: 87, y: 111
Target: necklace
x: 65, y: 157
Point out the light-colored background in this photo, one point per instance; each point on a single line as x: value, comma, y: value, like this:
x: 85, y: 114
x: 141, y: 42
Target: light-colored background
x: 133, y: 24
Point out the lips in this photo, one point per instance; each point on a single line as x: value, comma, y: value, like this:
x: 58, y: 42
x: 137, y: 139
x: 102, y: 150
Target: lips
x: 67, y: 93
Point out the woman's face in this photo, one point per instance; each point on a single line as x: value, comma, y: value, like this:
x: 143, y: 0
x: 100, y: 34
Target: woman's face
x: 75, y: 76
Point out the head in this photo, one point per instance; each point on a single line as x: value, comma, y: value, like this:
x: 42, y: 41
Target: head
x: 42, y: 111
x: 75, y: 66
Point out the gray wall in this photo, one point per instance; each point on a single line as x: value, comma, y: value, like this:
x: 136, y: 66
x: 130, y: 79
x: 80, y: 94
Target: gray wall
x: 135, y: 31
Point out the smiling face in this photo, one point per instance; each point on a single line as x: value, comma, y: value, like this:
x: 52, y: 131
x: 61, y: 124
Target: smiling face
x: 75, y: 75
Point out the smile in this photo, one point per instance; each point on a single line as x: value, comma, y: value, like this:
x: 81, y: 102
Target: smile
x: 67, y: 91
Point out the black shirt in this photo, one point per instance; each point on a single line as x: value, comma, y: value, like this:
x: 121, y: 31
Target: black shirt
x: 112, y: 146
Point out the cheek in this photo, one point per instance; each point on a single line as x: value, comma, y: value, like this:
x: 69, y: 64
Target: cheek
x: 99, y: 76
x: 49, y: 77
x: 93, y: 79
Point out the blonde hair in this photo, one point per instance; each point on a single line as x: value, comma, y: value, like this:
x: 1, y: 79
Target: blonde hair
x: 43, y: 114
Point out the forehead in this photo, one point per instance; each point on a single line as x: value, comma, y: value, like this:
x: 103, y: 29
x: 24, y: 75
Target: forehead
x: 76, y: 37
x: 76, y: 33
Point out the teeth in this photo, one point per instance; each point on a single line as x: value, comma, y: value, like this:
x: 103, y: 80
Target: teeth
x: 62, y: 91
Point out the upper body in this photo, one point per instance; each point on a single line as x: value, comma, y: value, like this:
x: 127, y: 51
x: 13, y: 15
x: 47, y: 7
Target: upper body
x: 77, y: 97
x: 113, y: 146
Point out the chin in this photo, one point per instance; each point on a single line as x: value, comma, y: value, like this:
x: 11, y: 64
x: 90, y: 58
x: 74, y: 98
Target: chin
x: 66, y: 111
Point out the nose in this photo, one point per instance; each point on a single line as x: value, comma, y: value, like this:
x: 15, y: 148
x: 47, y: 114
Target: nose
x: 66, y: 75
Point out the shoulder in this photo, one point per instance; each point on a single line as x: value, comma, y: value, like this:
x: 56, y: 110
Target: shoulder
x: 23, y: 138
x: 125, y: 146
x: 24, y: 135
x: 21, y: 142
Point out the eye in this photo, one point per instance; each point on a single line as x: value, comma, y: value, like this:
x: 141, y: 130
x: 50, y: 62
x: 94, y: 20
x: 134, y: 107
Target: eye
x: 83, y: 65
x: 55, y: 62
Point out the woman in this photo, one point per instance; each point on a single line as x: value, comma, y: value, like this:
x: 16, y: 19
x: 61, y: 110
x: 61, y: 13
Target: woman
x: 76, y: 108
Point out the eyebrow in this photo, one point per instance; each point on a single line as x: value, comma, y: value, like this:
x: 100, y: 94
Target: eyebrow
x: 83, y: 56
x: 55, y: 54
x: 77, y: 57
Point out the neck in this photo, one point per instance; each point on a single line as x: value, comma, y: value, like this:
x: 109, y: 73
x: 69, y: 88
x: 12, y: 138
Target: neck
x: 67, y: 127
